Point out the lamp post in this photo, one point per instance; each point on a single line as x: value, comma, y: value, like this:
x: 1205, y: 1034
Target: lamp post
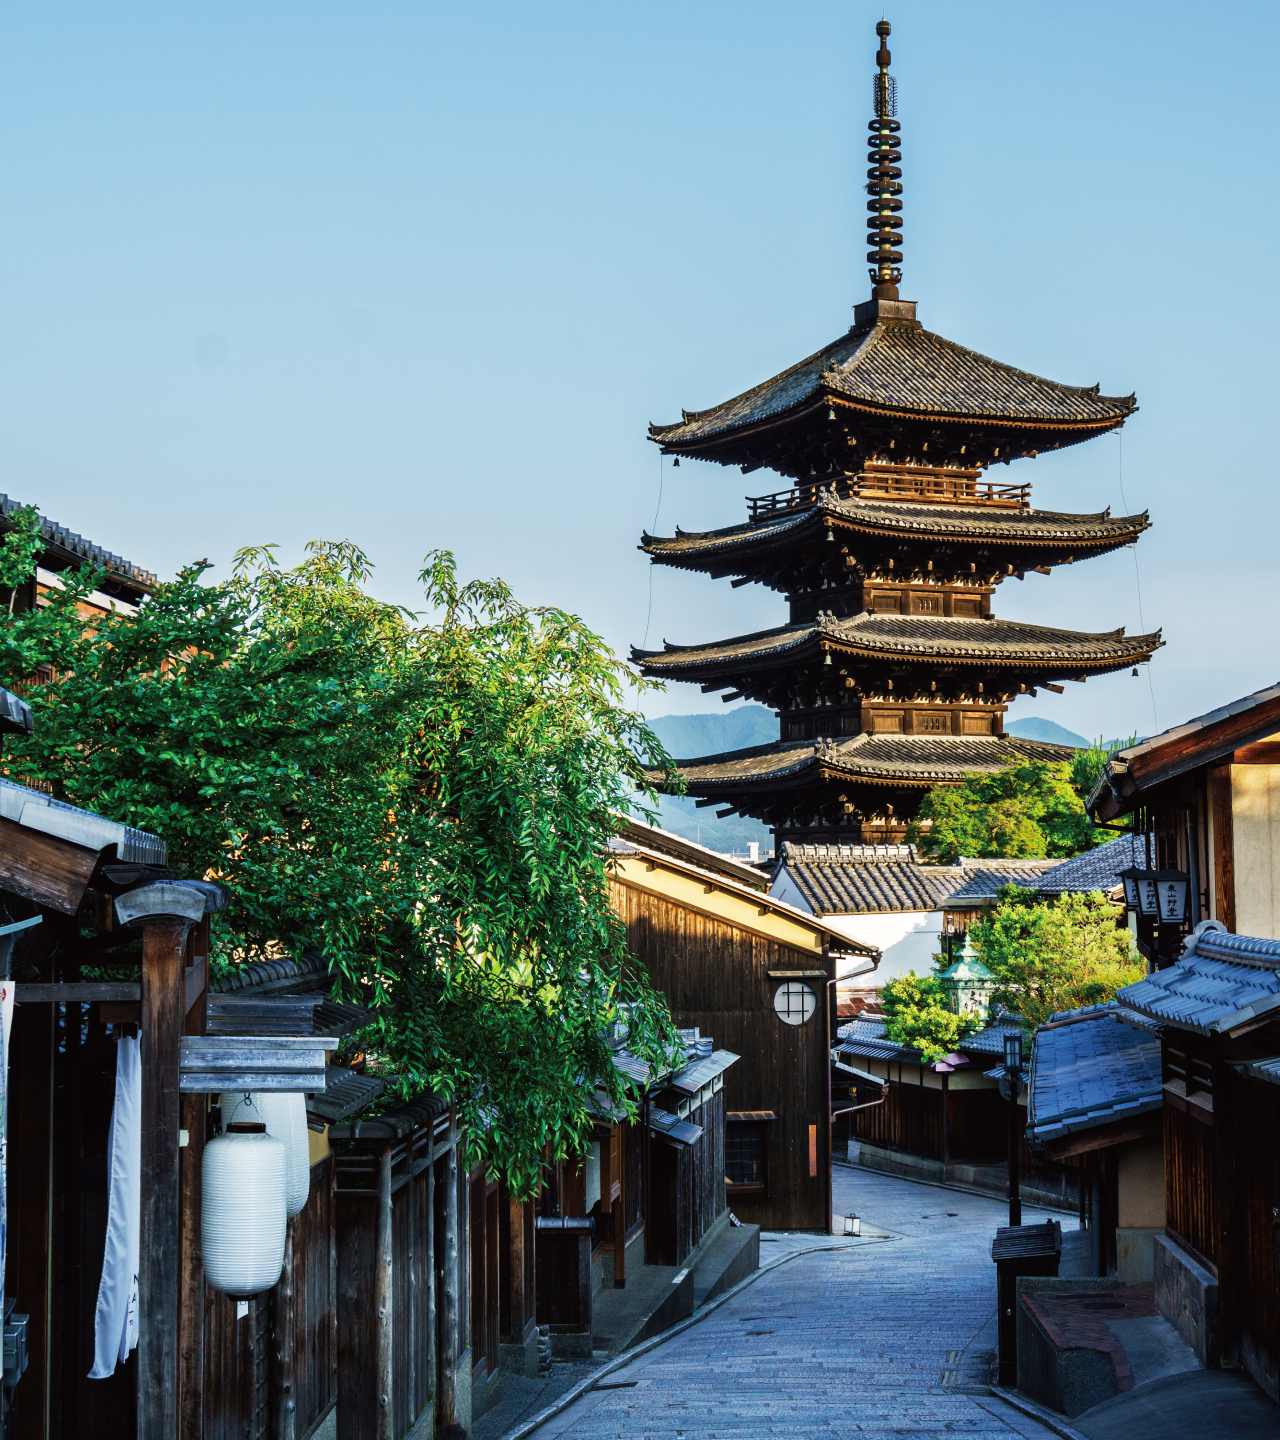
x: 1158, y: 897
x: 1013, y: 1072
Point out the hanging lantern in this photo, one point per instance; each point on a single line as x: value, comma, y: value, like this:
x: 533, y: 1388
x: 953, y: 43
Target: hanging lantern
x: 242, y: 1219
x: 1172, y: 891
x: 1141, y: 892
x: 284, y: 1113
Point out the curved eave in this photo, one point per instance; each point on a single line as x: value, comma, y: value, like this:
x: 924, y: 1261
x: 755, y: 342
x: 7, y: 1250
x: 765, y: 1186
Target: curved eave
x: 721, y: 546
x: 810, y: 648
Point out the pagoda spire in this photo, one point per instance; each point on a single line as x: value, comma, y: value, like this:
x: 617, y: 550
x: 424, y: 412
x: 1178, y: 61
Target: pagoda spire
x: 883, y: 180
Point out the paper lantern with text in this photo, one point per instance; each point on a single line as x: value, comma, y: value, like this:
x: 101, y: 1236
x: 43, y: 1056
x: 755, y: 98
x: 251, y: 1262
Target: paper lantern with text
x: 242, y: 1219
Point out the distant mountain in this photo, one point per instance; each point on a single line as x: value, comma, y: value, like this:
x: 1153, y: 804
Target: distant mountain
x: 730, y: 836
x: 687, y: 736
x: 1033, y: 728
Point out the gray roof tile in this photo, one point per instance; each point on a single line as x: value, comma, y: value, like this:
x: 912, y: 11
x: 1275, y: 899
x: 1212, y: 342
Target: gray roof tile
x: 1089, y: 1069
x: 1208, y: 994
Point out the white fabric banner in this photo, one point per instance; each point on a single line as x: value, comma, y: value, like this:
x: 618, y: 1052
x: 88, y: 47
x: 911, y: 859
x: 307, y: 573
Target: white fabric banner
x: 115, y: 1321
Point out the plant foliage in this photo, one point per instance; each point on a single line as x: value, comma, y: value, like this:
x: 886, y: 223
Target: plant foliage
x: 1055, y: 956
x: 917, y: 1017
x: 428, y: 803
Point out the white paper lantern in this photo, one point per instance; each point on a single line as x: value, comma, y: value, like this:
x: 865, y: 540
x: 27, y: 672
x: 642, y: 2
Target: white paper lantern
x: 284, y: 1113
x: 242, y: 1219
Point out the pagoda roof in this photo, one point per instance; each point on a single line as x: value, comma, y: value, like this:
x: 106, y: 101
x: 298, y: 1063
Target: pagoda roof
x: 961, y: 524
x: 911, y: 638
x: 897, y: 760
x: 894, y: 367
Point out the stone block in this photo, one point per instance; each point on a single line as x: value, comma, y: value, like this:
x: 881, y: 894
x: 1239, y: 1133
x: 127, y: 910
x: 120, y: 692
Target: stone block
x: 1187, y: 1297
x: 1135, y: 1256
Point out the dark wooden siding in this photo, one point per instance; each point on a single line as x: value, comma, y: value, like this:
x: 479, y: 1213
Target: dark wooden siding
x: 1191, y: 1196
x: 715, y: 976
x: 1254, y: 1291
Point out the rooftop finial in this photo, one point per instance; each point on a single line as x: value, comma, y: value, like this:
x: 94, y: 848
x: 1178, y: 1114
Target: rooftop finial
x: 883, y: 178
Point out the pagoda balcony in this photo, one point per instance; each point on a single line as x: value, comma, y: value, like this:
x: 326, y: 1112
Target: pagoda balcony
x: 910, y: 484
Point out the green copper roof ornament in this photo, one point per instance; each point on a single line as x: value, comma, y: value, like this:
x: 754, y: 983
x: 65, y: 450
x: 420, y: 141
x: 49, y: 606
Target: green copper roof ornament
x: 968, y: 982
x: 883, y: 178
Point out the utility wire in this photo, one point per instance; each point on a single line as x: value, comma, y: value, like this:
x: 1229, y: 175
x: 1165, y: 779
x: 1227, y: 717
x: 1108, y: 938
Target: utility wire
x: 1138, y: 580
x: 653, y: 531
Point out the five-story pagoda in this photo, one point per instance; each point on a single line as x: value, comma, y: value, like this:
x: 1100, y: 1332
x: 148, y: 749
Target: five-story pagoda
x: 892, y: 674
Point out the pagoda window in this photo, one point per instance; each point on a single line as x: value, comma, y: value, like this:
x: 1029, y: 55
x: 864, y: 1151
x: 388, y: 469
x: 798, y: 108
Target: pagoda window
x: 933, y: 724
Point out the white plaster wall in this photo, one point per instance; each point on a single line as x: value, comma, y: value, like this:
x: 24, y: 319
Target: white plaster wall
x: 909, y: 941
x: 1255, y: 822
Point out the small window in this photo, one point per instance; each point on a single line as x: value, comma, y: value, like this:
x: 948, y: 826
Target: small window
x: 744, y: 1156
x: 794, y: 1002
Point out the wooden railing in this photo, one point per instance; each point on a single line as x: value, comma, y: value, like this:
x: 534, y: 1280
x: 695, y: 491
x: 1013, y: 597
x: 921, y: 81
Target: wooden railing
x: 906, y: 483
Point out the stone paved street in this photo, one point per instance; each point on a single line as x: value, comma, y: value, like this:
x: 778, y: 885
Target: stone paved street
x: 884, y: 1337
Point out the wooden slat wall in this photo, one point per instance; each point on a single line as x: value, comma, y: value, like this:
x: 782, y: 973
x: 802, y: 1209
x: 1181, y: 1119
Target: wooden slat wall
x: 715, y: 976
x: 1191, y: 1198
x: 314, y: 1388
x: 1254, y: 1292
x: 909, y: 1120
x: 1224, y: 869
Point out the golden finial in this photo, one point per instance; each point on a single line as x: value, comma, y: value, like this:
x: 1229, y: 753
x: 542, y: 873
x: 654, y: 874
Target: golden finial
x: 882, y: 180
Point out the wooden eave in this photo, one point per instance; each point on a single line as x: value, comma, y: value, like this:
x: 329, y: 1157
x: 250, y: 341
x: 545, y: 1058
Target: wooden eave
x: 726, y: 900
x: 1127, y: 779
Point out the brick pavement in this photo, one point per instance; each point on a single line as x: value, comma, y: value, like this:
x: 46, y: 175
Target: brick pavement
x: 885, y: 1338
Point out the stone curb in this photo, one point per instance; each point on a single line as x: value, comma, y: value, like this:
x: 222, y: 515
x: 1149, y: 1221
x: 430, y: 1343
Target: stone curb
x: 1050, y: 1418
x: 619, y: 1362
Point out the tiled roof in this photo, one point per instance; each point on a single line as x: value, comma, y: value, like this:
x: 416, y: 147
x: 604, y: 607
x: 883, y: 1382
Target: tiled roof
x: 1095, y: 869
x: 1087, y: 1070
x: 36, y: 811
x: 901, y: 367
x: 697, y: 1073
x: 864, y: 1037
x: 345, y: 1091
x: 909, y: 637
x: 990, y: 1039
x: 1268, y: 1070
x: 75, y: 549
x: 974, y: 524
x: 985, y: 884
x: 893, y: 759
x: 1221, y: 981
x: 865, y: 879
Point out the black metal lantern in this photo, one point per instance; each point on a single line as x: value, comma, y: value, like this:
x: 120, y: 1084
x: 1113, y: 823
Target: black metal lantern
x: 1013, y: 1052
x: 1140, y: 890
x: 1173, y: 891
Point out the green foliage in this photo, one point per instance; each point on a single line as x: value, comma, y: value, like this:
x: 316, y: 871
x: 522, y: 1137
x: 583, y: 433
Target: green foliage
x: 430, y: 804
x: 1055, y: 956
x: 916, y: 1016
x: 1028, y: 808
x: 1086, y: 766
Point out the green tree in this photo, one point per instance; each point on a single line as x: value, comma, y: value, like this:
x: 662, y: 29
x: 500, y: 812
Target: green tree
x: 429, y: 803
x: 1057, y: 955
x: 1027, y: 808
x: 917, y: 1017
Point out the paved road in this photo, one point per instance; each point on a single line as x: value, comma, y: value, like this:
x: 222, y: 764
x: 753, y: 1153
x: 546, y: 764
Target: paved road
x: 886, y: 1337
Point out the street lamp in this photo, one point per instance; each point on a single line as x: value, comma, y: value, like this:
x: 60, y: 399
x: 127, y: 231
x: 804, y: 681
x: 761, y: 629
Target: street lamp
x: 1140, y: 891
x: 1013, y: 1076
x: 1173, y: 889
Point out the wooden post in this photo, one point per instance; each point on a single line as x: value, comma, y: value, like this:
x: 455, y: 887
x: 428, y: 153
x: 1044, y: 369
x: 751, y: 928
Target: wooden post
x: 515, y: 1268
x: 449, y: 1349
x: 284, y: 1405
x: 383, y: 1298
x: 163, y: 1008
x: 433, y: 1386
x: 946, y: 1122
x: 411, y: 1319
x: 193, y: 1109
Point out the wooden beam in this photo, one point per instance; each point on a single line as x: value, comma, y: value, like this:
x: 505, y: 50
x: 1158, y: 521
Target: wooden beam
x: 1103, y: 1136
x: 1265, y: 752
x: 79, y: 993
x: 163, y: 994
x: 52, y: 872
x: 191, y: 1292
x: 383, y: 1302
x: 1224, y: 860
x: 197, y: 984
x: 283, y: 1341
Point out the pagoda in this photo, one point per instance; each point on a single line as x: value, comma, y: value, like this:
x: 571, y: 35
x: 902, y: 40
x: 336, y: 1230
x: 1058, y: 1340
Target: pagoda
x: 891, y: 674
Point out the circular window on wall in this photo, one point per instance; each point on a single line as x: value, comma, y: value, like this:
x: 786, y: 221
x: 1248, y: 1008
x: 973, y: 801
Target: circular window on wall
x: 794, y: 1002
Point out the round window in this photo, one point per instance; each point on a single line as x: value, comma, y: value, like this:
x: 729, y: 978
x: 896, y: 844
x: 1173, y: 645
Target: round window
x: 794, y: 1002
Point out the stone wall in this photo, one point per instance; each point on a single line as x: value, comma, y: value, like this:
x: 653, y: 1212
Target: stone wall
x: 1187, y: 1297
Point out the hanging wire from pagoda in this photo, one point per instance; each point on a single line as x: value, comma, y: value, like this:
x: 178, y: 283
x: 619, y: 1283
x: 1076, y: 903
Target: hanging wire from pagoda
x: 883, y: 180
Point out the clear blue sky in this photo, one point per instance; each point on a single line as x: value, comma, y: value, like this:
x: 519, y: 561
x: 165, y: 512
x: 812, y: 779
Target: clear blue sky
x: 418, y: 275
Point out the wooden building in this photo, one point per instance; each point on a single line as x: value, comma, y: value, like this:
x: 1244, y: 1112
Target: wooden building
x: 1201, y: 798
x: 1095, y: 1102
x: 1216, y: 1272
x: 889, y: 674
x: 758, y: 975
